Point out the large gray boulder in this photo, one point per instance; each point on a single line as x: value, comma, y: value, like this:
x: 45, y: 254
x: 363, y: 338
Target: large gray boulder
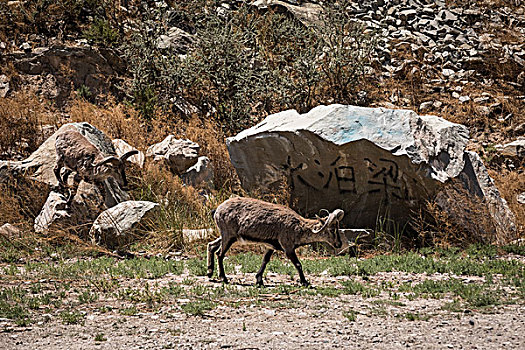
x: 118, y: 226
x: 200, y: 174
x: 372, y: 162
x: 53, y: 214
x: 176, y: 154
x: 77, y: 215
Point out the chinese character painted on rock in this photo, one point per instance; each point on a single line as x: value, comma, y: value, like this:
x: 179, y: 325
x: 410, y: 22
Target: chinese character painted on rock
x: 384, y: 177
x: 319, y: 177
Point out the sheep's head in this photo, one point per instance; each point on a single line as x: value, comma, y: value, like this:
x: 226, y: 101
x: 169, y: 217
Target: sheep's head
x: 330, y: 229
x: 113, y: 167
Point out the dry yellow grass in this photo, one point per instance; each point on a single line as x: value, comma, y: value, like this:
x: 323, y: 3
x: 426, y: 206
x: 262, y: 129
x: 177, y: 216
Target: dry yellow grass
x: 511, y: 184
x: 21, y: 119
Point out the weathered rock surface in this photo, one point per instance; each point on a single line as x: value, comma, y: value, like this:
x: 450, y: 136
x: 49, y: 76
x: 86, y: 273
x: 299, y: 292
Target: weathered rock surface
x: 87, y: 67
x: 120, y: 225
x: 53, y: 213
x: 190, y: 236
x: 307, y: 13
x: 178, y: 155
x: 122, y: 147
x: 88, y: 202
x: 200, y: 174
x: 370, y: 162
x: 10, y: 231
x: 521, y: 198
x: 513, y: 149
x: 176, y: 39
x: 4, y: 85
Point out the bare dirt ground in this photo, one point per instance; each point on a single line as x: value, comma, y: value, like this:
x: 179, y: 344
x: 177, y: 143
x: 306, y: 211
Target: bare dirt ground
x: 279, y: 321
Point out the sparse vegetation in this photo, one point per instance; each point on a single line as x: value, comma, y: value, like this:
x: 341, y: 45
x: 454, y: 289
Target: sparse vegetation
x: 228, y: 70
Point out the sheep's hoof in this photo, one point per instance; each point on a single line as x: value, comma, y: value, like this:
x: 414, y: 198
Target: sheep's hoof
x: 305, y: 283
x: 210, y: 273
x: 225, y: 280
x: 259, y: 283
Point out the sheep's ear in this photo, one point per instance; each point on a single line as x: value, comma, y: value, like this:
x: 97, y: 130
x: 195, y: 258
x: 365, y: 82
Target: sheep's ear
x: 109, y: 160
x: 128, y: 154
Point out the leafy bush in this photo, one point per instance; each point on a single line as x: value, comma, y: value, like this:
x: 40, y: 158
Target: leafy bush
x: 244, y: 64
x: 101, y: 33
x: 59, y: 18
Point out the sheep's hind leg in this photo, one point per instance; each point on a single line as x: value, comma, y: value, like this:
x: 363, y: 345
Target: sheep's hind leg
x: 212, y: 248
x: 295, y: 261
x: 225, y: 245
x: 266, y: 259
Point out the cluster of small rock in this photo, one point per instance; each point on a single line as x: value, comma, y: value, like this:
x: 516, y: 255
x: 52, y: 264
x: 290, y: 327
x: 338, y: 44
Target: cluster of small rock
x: 446, y: 42
x: 105, y: 210
x: 449, y: 40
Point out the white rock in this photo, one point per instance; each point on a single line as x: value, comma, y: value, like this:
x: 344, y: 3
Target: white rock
x: 521, y: 198
x: 362, y: 160
x: 425, y: 106
x: 10, y: 231
x: 54, y: 211
x: 200, y: 174
x: 4, y: 85
x: 447, y: 72
x: 513, y: 149
x: 117, y: 226
x: 178, y: 155
x: 122, y: 147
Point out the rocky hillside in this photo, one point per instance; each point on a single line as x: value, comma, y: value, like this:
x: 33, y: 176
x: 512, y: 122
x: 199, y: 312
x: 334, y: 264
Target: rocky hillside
x: 205, y: 70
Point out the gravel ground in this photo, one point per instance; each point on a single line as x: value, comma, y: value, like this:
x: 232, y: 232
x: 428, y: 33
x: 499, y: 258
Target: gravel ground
x: 282, y: 322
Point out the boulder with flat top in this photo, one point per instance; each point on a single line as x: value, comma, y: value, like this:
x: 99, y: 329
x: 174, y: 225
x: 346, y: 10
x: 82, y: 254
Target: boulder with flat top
x: 374, y: 163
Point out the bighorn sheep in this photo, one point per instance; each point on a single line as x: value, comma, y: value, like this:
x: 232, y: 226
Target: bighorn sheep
x: 279, y: 227
x: 76, y: 153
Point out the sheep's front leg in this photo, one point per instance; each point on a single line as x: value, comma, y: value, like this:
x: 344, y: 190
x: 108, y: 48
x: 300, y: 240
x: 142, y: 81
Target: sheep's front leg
x: 56, y: 170
x: 295, y: 261
x: 212, y: 248
x: 266, y: 259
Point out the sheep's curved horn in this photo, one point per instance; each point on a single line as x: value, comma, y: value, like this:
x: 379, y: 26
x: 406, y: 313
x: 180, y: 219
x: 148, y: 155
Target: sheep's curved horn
x: 128, y: 154
x: 111, y: 159
x: 336, y: 215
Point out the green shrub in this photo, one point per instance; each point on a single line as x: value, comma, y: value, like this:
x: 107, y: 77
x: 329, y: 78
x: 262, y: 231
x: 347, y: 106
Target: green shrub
x: 245, y: 64
x: 101, y: 33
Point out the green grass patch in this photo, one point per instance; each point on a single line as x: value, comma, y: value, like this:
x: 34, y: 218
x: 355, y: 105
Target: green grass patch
x: 413, y: 316
x: 72, y: 317
x: 129, y: 311
x: 350, y: 315
x: 198, y: 307
x: 475, y: 295
x: 99, y: 337
x: 352, y: 287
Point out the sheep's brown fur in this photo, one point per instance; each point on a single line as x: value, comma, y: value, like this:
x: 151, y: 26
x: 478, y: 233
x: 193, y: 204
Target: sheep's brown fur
x: 76, y: 153
x: 279, y: 227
